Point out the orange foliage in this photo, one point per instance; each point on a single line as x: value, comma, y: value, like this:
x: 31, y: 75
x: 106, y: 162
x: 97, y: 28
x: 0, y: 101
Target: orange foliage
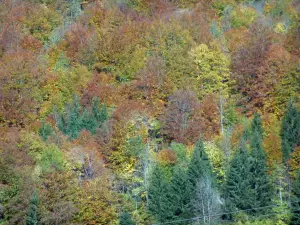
x: 167, y: 156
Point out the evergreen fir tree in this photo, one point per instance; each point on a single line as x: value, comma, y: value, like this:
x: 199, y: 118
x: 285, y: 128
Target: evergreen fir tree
x: 45, y: 130
x: 260, y: 180
x: 199, y: 165
x: 158, y: 195
x: 290, y: 132
x: 237, y: 188
x: 32, y: 217
x: 179, y: 194
x: 295, y: 220
x: 125, y: 219
x: 88, y: 121
x: 100, y: 114
x: 256, y: 125
x: 73, y: 122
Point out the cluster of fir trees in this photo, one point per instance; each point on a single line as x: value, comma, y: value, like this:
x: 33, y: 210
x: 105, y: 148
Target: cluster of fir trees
x: 248, y: 185
x: 188, y: 193
x: 194, y: 192
x: 76, y: 118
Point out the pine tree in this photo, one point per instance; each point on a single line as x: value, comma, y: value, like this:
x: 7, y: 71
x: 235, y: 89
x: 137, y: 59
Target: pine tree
x: 260, y: 180
x: 295, y: 220
x: 32, y: 217
x: 88, y: 121
x: 237, y: 188
x: 158, y: 195
x: 45, y: 130
x: 290, y: 131
x: 179, y: 194
x: 125, y: 219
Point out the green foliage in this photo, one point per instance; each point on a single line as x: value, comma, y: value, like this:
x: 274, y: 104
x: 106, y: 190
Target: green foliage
x: 125, y: 219
x: 199, y: 165
x: 51, y: 159
x: 45, y: 130
x: 213, y: 67
x: 290, y: 131
x: 76, y: 118
x: 243, y: 17
x: 88, y: 121
x: 260, y: 181
x: 237, y: 188
x: 41, y: 22
x: 158, y: 195
x: 100, y: 114
x: 296, y: 200
x: 32, y: 217
x: 179, y: 194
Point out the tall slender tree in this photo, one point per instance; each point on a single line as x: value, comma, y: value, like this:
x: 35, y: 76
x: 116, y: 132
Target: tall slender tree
x: 260, y: 180
x: 32, y: 217
x: 158, y: 192
x: 179, y: 194
x: 295, y: 220
x: 290, y: 132
x: 237, y: 189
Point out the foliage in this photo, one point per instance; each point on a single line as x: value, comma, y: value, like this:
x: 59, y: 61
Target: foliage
x: 125, y: 219
x: 290, y: 131
x: 45, y: 130
x: 213, y: 68
x: 32, y: 215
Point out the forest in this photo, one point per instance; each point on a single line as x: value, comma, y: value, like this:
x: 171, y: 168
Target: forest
x: 149, y: 112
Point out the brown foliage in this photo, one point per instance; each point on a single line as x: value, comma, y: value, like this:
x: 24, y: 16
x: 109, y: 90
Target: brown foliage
x: 182, y: 122
x: 167, y: 156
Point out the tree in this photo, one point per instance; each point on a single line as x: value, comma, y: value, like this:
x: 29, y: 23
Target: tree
x: 295, y: 220
x: 99, y: 113
x: 206, y: 202
x: 260, y: 181
x: 290, y: 132
x: 199, y: 165
x: 179, y: 194
x: 45, y: 130
x: 88, y: 121
x: 237, y: 189
x: 213, y: 65
x: 158, y: 192
x: 125, y: 219
x: 181, y: 120
x: 32, y: 217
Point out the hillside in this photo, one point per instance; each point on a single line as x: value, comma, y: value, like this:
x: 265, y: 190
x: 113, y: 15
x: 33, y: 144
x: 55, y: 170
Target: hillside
x: 149, y: 112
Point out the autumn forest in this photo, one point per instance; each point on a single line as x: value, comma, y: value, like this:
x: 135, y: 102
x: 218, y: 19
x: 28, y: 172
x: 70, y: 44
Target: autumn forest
x: 149, y: 112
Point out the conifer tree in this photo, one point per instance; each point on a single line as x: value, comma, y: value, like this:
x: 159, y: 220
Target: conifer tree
x: 179, y: 194
x: 88, y: 121
x: 45, y: 130
x: 125, y: 219
x: 99, y: 113
x: 74, y: 119
x: 295, y: 220
x: 290, y: 131
x: 158, y: 195
x: 32, y: 217
x: 256, y: 125
x: 199, y: 165
x: 237, y: 188
x: 259, y: 179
